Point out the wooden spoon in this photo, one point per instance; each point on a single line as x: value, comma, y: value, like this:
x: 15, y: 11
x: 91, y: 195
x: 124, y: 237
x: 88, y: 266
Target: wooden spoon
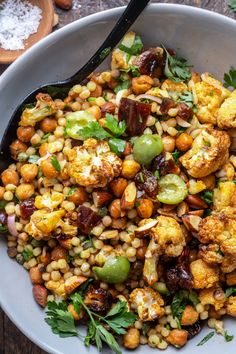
x: 45, y: 27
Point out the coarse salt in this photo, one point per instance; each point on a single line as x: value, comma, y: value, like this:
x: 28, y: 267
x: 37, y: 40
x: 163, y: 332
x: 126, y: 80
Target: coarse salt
x: 18, y: 20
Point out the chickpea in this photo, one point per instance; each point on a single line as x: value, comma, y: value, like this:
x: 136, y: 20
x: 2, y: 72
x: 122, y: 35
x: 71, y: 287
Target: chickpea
x: 168, y: 143
x: 35, y: 275
x: 48, y: 125
x: 29, y: 172
x: 131, y: 338
x: 43, y: 149
x: 25, y: 191
x: 58, y: 253
x: 95, y: 111
x: 16, y: 147
x: 189, y: 316
x: 115, y: 209
x: 74, y: 313
x: 2, y: 191
x: 118, y: 186
x: 119, y: 223
x: 145, y: 208
x: 178, y: 337
x: 10, y: 177
x: 130, y: 168
x: 184, y: 142
x: 48, y: 169
x: 79, y: 196
x: 141, y: 84
x: 97, y: 92
x: 108, y: 107
x: 24, y: 134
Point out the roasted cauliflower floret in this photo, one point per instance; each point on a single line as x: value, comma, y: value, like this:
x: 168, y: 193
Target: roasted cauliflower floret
x: 93, y: 164
x: 148, y: 303
x: 210, y: 94
x: 208, y: 153
x: 225, y: 197
x: 44, y: 107
x: 49, y: 200
x: 170, y: 85
x: 119, y: 59
x: 226, y: 117
x: 231, y: 306
x: 204, y: 275
x: 168, y: 236
x: 221, y: 230
x: 211, y: 253
x: 214, y: 296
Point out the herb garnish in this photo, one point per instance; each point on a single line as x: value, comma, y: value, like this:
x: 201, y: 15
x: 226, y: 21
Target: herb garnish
x: 135, y: 49
x: 181, y: 299
x: 176, y: 155
x: 27, y: 255
x: 230, y: 291
x: 206, y: 338
x: 117, y: 145
x: 176, y: 68
x: 3, y: 228
x: 207, y: 196
x: 55, y: 163
x: 188, y: 99
x: 228, y: 337
x: 232, y: 5
x: 72, y: 190
x: 122, y: 86
x: 115, y: 127
x: 94, y: 130
x: 230, y: 78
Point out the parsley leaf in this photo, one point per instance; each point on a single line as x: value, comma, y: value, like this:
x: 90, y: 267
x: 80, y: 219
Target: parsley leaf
x: 176, y: 155
x: 60, y: 320
x: 181, y: 299
x: 117, y: 145
x: 188, y: 99
x: 55, y: 163
x: 232, y: 5
x: 228, y: 337
x: 118, y: 318
x: 3, y: 228
x: 27, y: 255
x: 206, y: 338
x: 94, y: 130
x: 132, y: 69
x: 116, y: 128
x: 72, y: 190
x: 176, y: 68
x: 45, y: 138
x: 122, y: 86
x: 230, y: 78
x: 136, y: 47
x: 207, y: 196
x: 230, y: 291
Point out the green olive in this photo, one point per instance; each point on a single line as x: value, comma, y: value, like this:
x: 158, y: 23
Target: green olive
x: 173, y: 189
x: 115, y: 270
x: 146, y: 147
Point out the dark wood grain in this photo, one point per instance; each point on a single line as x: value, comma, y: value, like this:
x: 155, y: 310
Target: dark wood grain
x: 12, y: 341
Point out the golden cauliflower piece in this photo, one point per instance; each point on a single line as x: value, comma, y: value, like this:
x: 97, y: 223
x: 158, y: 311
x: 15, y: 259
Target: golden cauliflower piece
x: 119, y: 59
x: 93, y: 164
x: 211, y: 253
x: 49, y: 200
x: 168, y: 236
x: 214, y: 296
x: 204, y: 275
x: 45, y: 107
x: 210, y: 94
x: 148, y: 303
x: 170, y: 85
x: 224, y: 197
x: 221, y: 230
x: 208, y: 153
x: 231, y: 306
x: 226, y: 117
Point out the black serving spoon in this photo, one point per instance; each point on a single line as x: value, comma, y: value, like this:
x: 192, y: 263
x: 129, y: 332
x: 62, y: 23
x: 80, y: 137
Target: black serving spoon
x: 131, y: 13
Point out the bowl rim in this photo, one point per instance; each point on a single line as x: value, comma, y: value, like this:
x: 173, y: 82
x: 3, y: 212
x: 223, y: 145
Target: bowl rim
x: 178, y: 9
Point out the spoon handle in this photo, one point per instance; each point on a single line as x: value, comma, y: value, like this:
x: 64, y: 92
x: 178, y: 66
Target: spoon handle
x: 131, y: 13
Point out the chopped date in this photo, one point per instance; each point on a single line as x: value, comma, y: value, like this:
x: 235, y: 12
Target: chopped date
x: 147, y: 182
x: 185, y: 112
x: 135, y: 115
x: 167, y: 104
x: 3, y: 218
x: 87, y: 219
x: 162, y: 165
x: 194, y: 329
x: 98, y: 299
x: 148, y: 62
x: 179, y: 277
x: 27, y: 208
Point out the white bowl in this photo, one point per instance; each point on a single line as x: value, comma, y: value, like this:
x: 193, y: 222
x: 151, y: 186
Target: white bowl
x: 205, y: 38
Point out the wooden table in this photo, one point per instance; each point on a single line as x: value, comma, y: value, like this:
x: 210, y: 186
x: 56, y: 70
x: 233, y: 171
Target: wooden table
x: 11, y: 339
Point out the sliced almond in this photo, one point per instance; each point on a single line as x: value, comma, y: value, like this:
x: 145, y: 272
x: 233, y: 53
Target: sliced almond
x: 182, y: 209
x: 66, y: 243
x: 101, y: 198
x: 144, y: 229
x: 196, y: 202
x: 191, y: 222
x: 109, y: 234
x: 129, y: 196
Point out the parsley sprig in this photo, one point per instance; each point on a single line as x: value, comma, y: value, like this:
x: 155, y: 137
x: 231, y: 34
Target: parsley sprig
x: 176, y: 68
x: 136, y: 47
x: 230, y: 78
x: 206, y: 338
x: 207, y: 196
x: 232, y: 5
x: 181, y: 299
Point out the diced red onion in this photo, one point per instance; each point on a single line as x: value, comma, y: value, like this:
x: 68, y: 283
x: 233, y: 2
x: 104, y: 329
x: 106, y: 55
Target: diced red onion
x: 11, y: 224
x: 149, y: 97
x: 181, y: 122
x: 48, y: 154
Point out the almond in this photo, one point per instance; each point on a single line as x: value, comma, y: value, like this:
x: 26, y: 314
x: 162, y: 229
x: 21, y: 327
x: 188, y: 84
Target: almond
x: 73, y: 283
x: 66, y: 243
x: 144, y: 229
x: 35, y: 275
x: 199, y: 212
x: 101, y: 198
x: 129, y: 196
x: 64, y: 4
x: 109, y: 234
x: 196, y: 202
x: 40, y: 294
x: 58, y: 252
x: 182, y: 209
x: 191, y: 222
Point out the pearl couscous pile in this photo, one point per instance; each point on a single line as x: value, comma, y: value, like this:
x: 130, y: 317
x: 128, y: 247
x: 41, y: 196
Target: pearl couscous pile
x: 122, y: 192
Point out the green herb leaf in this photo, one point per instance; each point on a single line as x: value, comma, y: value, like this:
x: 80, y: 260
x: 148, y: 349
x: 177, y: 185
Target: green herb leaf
x: 230, y: 291
x: 133, y: 70
x: 117, y: 145
x: 2, y: 204
x: 94, y: 130
x: 119, y: 318
x: 207, y: 196
x: 3, y: 228
x: 102, y: 211
x: 122, y: 86
x: 72, y: 190
x: 206, y: 338
x: 176, y: 68
x: 91, y: 331
x: 55, y: 163
x: 230, y: 78
x: 188, y: 99
x: 135, y: 49
x: 207, y: 212
x: 157, y: 174
x: 181, y: 299
x: 103, y: 335
x: 232, y: 5
x: 116, y: 128
x: 27, y: 255
x: 60, y: 320
x: 33, y: 159
x: 176, y: 155
x: 228, y: 337
x: 45, y: 138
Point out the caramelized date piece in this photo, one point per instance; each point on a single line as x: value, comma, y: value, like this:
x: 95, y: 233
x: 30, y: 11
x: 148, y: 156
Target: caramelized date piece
x: 98, y: 299
x: 148, y: 61
x: 167, y: 104
x: 27, y: 208
x: 87, y: 219
x: 147, y: 182
x: 185, y: 112
x: 193, y: 330
x: 179, y: 277
x: 162, y: 165
x: 135, y: 115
